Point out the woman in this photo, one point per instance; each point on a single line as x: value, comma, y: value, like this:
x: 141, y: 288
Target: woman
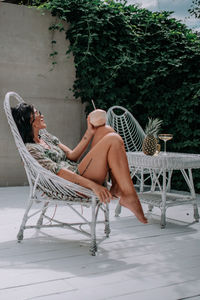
x: 107, y: 154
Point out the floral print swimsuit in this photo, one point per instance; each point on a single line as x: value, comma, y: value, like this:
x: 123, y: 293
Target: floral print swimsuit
x: 53, y: 159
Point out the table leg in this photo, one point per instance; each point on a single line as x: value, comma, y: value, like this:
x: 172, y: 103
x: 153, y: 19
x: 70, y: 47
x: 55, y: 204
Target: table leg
x: 163, y: 205
x: 142, y: 180
x: 195, y: 206
x: 189, y: 180
x: 169, y: 180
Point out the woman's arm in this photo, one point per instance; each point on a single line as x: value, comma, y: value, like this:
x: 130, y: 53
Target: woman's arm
x: 75, y: 154
x: 101, y: 192
x: 79, y: 149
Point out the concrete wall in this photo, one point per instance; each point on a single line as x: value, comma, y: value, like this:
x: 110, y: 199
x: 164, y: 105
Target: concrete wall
x: 25, y: 45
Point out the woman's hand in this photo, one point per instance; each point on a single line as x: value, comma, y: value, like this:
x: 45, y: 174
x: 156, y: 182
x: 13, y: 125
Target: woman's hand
x: 91, y: 129
x: 102, y: 193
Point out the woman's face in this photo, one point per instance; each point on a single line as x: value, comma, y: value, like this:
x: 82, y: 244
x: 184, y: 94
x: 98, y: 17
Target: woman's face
x: 37, y: 120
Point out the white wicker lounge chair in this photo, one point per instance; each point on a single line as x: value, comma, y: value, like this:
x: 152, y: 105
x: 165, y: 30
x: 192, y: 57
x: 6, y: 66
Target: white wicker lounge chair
x: 127, y: 126
x: 46, y: 189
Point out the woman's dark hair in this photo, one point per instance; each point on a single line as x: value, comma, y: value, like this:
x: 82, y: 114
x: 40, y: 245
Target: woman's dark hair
x: 22, y: 115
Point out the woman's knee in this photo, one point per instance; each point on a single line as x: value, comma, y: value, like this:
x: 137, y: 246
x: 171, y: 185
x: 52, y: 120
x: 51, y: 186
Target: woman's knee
x: 103, y: 130
x: 114, y: 137
x: 100, y: 133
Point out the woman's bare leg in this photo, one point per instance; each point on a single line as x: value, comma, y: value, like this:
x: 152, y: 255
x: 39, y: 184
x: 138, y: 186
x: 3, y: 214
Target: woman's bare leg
x: 109, y: 153
x: 100, y: 133
x: 118, y: 163
x: 115, y: 190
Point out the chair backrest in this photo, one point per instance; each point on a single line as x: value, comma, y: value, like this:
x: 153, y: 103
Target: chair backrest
x: 123, y: 122
x: 38, y: 176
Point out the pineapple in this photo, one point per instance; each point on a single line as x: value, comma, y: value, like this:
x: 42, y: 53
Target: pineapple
x: 150, y: 143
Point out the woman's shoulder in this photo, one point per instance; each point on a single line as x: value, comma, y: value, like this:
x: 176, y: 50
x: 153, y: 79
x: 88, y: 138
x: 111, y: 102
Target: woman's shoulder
x: 50, y: 138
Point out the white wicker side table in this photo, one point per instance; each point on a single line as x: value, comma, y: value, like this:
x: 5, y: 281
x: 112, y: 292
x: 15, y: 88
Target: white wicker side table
x: 161, y: 169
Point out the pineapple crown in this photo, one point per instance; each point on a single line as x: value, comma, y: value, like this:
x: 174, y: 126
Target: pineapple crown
x: 153, y: 127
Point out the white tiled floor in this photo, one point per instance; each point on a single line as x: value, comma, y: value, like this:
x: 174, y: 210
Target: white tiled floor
x: 137, y: 262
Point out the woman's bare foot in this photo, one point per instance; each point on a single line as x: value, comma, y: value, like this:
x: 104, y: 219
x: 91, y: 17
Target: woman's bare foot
x: 131, y: 202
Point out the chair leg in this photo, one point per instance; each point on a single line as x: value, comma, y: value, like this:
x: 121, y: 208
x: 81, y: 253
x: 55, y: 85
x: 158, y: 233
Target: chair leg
x: 20, y: 234
x: 163, y: 218
x: 93, y: 245
x: 40, y: 220
x: 107, y: 221
x: 118, y: 210
x: 150, y: 208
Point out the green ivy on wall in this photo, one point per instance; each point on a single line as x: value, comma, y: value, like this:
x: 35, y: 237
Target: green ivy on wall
x: 146, y: 61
